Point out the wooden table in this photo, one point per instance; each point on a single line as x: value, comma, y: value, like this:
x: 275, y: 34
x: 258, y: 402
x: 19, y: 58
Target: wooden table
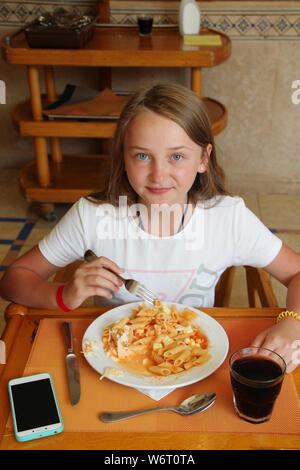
x: 66, y: 179
x: 22, y: 324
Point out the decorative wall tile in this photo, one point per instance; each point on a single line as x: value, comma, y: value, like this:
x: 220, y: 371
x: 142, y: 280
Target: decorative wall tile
x: 18, y: 13
x: 239, y: 20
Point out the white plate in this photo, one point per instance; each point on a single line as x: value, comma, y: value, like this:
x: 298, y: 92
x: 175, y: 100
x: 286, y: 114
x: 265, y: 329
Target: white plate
x: 218, y: 349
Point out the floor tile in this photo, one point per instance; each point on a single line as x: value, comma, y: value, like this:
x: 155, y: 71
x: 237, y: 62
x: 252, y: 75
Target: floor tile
x: 43, y: 227
x: 3, y: 251
x: 9, y: 230
x: 36, y: 235
x: 12, y: 202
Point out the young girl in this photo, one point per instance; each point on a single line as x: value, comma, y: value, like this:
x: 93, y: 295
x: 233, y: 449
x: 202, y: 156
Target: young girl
x: 164, y: 219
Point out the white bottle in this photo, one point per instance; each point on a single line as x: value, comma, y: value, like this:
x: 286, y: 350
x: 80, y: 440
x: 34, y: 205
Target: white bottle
x: 189, y: 17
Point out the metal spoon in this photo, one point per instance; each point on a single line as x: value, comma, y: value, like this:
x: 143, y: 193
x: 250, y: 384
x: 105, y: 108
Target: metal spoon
x: 190, y: 406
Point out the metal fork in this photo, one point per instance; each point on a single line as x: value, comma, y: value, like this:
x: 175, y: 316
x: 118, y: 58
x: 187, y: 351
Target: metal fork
x: 134, y: 287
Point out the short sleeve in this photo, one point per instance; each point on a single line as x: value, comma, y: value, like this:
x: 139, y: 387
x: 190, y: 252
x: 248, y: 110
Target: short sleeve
x: 255, y: 244
x: 66, y: 242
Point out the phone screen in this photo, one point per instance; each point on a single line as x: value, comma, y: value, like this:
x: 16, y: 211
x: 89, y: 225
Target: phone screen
x: 34, y: 404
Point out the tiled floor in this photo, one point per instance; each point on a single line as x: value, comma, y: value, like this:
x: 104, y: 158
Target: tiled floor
x: 21, y: 228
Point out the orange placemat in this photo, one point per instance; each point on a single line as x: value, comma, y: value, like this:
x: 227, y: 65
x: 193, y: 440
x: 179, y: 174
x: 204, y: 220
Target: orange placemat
x: 48, y: 355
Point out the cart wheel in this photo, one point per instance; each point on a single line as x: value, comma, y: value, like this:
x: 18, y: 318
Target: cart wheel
x: 47, y: 211
x: 50, y: 217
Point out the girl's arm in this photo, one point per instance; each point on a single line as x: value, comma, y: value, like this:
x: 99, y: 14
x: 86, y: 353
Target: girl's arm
x: 284, y: 337
x: 26, y: 281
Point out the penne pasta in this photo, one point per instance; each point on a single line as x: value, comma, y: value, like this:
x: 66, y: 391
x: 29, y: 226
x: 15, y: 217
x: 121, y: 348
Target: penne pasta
x: 201, y: 359
x: 198, y: 351
x: 189, y: 314
x: 188, y: 365
x: 158, y: 341
x: 175, y: 316
x: 173, y: 351
x: 172, y: 332
x: 144, y: 340
x: 166, y: 364
x: 143, y: 319
x: 138, y: 348
x: 121, y: 323
x: 174, y: 309
x: 161, y: 316
x: 160, y: 370
x: 144, y: 313
x: 139, y: 325
x: 183, y: 357
x: 157, y: 358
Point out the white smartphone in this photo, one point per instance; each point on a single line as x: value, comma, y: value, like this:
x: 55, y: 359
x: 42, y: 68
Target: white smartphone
x: 34, y: 406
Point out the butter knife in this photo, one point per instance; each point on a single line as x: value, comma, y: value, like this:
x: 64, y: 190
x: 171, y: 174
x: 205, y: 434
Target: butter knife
x: 72, y: 365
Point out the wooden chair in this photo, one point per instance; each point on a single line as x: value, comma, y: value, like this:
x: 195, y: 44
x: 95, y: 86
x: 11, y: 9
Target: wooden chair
x: 260, y: 292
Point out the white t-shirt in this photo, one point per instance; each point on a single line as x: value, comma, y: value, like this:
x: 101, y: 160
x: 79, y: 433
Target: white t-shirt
x: 182, y: 268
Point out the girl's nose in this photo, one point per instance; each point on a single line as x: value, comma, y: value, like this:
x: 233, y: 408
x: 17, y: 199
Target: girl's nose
x: 158, y: 171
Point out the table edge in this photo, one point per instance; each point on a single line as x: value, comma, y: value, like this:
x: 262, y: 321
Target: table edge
x: 19, y: 315
x: 158, y: 441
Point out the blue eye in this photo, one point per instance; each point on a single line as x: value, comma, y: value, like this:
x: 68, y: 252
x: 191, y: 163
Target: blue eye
x: 177, y: 157
x: 142, y: 156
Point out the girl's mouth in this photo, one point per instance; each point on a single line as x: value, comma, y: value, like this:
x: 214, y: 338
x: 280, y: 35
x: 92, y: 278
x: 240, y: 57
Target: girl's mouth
x: 158, y: 190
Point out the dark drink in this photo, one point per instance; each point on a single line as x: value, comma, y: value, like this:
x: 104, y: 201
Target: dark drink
x: 145, y: 25
x: 256, y: 382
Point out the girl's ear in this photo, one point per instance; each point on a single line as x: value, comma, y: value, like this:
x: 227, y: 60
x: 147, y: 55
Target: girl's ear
x: 205, y: 159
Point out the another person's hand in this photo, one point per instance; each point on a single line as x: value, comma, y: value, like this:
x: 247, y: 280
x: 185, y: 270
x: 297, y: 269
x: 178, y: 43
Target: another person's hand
x: 284, y: 339
x: 92, y: 278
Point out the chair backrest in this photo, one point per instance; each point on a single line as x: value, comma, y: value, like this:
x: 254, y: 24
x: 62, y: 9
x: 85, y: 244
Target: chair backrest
x: 258, y: 282
x: 224, y: 288
x: 259, y: 288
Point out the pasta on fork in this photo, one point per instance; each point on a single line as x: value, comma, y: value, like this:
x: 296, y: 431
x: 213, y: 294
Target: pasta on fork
x: 159, y: 340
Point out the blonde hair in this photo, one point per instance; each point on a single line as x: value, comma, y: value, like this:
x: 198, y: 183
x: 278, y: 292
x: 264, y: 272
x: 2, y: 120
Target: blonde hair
x: 182, y: 106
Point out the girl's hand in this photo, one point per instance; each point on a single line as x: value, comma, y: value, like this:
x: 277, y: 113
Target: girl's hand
x: 92, y: 278
x: 284, y: 339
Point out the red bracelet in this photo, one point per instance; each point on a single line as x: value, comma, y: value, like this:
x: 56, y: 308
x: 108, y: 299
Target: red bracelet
x: 59, y: 299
